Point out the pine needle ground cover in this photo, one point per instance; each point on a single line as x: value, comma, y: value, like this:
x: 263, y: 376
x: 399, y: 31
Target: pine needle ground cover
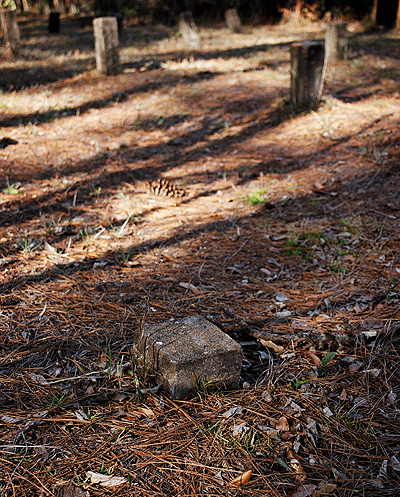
x: 186, y: 185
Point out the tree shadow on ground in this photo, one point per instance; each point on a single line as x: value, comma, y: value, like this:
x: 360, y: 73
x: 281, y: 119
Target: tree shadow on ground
x: 284, y: 212
x: 16, y: 79
x: 168, y: 81
x: 64, y: 201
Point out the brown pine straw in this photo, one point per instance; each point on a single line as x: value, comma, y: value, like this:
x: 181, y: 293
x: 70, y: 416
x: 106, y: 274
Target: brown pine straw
x: 88, y: 255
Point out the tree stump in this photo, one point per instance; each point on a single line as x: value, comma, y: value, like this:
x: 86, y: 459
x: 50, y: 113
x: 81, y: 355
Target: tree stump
x: 307, y: 74
x: 10, y: 29
x: 232, y: 20
x: 54, y: 22
x: 107, y: 45
x: 189, y: 31
x: 336, y: 41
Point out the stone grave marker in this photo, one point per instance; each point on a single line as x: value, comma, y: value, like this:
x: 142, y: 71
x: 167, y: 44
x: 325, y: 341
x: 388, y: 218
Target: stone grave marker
x: 10, y: 29
x: 336, y: 45
x: 307, y: 74
x: 107, y: 45
x: 184, y: 351
x: 189, y: 31
x: 232, y: 20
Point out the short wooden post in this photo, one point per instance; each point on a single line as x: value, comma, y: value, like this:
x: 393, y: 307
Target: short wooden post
x: 189, y: 31
x: 232, y: 20
x: 307, y: 73
x: 54, y: 22
x: 336, y: 41
x: 107, y: 45
x: 10, y: 29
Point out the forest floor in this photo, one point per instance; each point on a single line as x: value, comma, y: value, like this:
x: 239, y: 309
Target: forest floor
x: 283, y: 229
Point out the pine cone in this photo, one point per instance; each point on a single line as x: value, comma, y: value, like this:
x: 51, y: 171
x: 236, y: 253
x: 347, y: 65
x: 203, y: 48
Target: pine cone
x: 165, y: 188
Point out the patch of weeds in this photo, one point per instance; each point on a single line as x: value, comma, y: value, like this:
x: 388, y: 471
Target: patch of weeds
x: 302, y: 245
x: 215, y: 430
x: 10, y: 189
x: 125, y: 255
x: 351, y: 225
x: 124, y: 225
x: 340, y: 242
x: 314, y: 236
x: 96, y: 192
x: 336, y: 267
x: 90, y: 416
x: 85, y: 233
x: 50, y: 118
x: 355, y: 427
x: 104, y: 470
x: 79, y: 480
x: 256, y: 198
x: 27, y: 245
x: 203, y: 386
x: 296, y: 384
x: 293, y: 248
x: 247, y: 442
x: 54, y: 400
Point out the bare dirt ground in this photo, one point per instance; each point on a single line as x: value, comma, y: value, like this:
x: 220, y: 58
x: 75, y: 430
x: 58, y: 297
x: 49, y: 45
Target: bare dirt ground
x: 283, y: 229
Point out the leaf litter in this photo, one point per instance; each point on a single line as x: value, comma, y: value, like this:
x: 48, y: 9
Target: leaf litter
x: 306, y: 281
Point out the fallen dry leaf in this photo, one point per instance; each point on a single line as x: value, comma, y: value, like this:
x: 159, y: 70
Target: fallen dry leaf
x: 38, y: 378
x: 282, y: 424
x: 144, y: 411
x: 106, y: 481
x: 69, y: 490
x: 238, y: 430
x: 324, y: 488
x: 266, y: 396
x: 395, y: 463
x: 271, y: 345
x: 304, y: 491
x: 232, y: 411
x: 296, y: 466
x: 383, y: 469
x: 242, y: 479
x: 315, y: 359
x: 318, y: 185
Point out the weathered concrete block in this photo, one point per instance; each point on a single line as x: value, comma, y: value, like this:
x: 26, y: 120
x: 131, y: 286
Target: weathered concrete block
x: 107, y: 45
x: 232, y: 20
x: 336, y: 45
x: 189, y: 349
x: 189, y: 31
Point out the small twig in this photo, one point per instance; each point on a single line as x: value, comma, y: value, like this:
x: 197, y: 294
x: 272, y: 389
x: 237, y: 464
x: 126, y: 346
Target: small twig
x: 229, y: 257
